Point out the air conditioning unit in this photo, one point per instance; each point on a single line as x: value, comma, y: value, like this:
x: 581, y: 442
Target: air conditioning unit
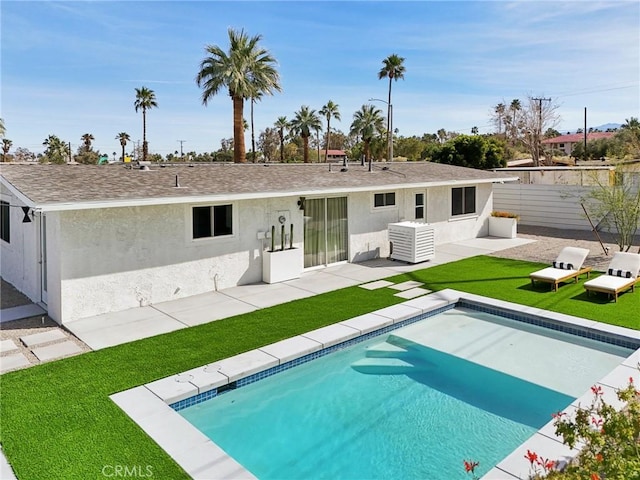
x: 411, y: 241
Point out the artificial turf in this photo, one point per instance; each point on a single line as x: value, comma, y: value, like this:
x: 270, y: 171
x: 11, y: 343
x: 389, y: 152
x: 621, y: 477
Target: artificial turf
x: 57, y: 422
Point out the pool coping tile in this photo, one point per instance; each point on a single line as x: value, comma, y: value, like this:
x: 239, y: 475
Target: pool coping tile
x: 170, y: 390
x: 399, y: 312
x: 292, y: 348
x: 332, y: 334
x: 245, y: 364
x: 369, y: 322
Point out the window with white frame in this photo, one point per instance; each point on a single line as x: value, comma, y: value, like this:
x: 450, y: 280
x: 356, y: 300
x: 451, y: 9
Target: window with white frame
x: 463, y: 200
x: 212, y: 221
x: 387, y: 199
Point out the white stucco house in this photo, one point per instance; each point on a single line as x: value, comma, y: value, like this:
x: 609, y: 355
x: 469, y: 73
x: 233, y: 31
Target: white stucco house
x: 85, y: 240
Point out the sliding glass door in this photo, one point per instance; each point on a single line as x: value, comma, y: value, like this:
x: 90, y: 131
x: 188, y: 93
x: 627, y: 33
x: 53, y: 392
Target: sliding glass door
x: 325, y: 231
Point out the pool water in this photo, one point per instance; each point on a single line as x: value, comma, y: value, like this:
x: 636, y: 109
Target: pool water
x: 395, y: 406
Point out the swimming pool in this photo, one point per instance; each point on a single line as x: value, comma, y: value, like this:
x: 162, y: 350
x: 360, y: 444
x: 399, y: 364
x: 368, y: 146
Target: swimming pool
x: 394, y: 406
x: 198, y: 454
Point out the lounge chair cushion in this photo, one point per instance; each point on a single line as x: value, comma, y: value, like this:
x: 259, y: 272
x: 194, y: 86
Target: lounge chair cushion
x: 608, y: 283
x: 551, y: 274
x: 571, y: 256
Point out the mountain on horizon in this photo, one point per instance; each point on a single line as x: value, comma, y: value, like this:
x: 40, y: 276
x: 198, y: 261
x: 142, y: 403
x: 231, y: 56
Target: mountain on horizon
x: 601, y: 128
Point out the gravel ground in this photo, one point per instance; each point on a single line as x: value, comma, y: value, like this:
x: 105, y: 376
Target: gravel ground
x: 10, y: 297
x: 549, y: 241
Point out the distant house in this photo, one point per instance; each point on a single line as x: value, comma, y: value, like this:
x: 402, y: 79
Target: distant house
x: 333, y: 155
x: 84, y: 240
x: 565, y: 143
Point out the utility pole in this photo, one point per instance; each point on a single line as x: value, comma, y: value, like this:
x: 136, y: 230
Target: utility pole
x: 539, y: 127
x: 181, y: 142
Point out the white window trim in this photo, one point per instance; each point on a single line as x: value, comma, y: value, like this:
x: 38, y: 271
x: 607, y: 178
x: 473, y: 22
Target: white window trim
x: 462, y: 216
x: 385, y: 207
x: 204, y: 240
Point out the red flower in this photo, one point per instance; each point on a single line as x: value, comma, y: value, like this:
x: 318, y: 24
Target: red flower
x: 630, y: 380
x: 596, y: 421
x: 531, y: 456
x: 595, y: 476
x: 470, y: 466
x: 547, y: 464
x: 597, y: 390
x: 558, y: 414
x: 599, y: 457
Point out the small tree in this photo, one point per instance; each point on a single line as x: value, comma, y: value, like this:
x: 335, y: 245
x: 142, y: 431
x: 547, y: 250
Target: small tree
x: 617, y: 205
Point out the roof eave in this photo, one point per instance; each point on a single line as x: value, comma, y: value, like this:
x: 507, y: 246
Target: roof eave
x: 226, y: 197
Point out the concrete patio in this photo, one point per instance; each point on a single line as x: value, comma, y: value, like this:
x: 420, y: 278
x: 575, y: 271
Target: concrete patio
x: 111, y: 329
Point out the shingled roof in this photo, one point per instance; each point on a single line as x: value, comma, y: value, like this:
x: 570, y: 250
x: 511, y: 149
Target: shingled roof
x: 70, y: 187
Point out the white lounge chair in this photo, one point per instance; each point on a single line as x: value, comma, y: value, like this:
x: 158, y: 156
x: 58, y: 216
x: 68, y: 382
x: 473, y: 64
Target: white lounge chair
x: 568, y: 265
x: 621, y: 275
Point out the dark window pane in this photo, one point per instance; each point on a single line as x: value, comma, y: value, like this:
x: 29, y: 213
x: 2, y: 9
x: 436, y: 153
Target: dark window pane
x: 456, y: 201
x: 5, y: 222
x: 470, y: 200
x: 201, y: 222
x: 222, y: 220
x: 419, y: 198
x: 419, y: 212
x: 378, y: 200
x: 390, y: 199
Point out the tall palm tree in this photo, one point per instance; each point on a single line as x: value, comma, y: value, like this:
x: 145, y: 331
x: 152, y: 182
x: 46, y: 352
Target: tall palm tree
x: 328, y: 111
x: 145, y: 100
x: 87, y: 138
x: 393, y: 69
x: 303, y: 123
x: 124, y: 138
x: 366, y: 123
x: 255, y: 97
x: 245, y: 70
x: 514, y: 108
x: 499, y: 110
x: 6, y: 146
x: 281, y: 124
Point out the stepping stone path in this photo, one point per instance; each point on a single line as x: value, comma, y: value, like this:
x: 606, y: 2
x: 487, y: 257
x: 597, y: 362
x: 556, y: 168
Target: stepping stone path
x: 407, y: 290
x: 57, y: 350
x: 412, y: 293
x: 45, y: 346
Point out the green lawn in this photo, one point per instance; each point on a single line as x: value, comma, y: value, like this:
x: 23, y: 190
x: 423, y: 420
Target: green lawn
x: 57, y: 422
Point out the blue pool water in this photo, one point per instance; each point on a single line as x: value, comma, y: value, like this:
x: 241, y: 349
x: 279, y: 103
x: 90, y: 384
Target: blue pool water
x: 349, y: 416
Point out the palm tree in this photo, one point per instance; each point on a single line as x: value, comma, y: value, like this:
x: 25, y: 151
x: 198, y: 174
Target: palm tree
x: 258, y: 96
x: 6, y: 146
x: 302, y: 124
x: 328, y: 111
x: 281, y: 124
x: 500, y: 109
x: 366, y: 122
x: 124, y: 138
x: 393, y: 69
x: 87, y: 138
x: 514, y: 108
x: 246, y: 71
x: 145, y: 100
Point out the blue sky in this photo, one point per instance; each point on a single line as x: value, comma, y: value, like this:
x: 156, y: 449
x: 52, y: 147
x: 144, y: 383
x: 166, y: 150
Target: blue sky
x: 70, y: 68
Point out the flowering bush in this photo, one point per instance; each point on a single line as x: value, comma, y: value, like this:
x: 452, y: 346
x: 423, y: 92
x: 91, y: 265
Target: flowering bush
x: 610, y: 441
x: 496, y: 213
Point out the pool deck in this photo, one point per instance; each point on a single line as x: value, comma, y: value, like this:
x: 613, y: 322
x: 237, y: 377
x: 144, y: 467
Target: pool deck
x: 149, y: 405
x: 102, y: 331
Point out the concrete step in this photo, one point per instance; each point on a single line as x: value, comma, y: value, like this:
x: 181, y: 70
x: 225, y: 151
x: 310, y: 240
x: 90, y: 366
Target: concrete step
x: 385, y: 350
x: 382, y: 366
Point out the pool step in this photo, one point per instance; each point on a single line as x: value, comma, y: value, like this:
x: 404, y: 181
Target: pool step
x: 385, y: 350
x: 382, y: 366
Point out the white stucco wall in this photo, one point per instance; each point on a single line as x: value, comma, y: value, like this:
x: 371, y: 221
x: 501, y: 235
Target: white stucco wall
x: 112, y: 259
x: 118, y: 258
x: 19, y: 258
